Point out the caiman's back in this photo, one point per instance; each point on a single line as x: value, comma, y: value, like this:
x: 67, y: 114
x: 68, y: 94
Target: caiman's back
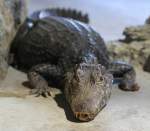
x: 58, y: 40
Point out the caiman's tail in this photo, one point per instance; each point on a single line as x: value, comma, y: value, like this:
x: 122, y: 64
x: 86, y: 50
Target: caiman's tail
x: 67, y: 13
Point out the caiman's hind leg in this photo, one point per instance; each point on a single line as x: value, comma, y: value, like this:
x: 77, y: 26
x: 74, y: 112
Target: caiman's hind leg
x: 40, y: 76
x: 124, y: 76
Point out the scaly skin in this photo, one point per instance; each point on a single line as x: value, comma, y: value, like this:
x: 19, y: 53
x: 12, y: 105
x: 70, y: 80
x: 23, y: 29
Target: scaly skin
x: 67, y: 13
x: 55, y: 49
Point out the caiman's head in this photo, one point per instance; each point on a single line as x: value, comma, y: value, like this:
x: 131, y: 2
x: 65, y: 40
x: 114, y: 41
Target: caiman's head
x: 87, y: 90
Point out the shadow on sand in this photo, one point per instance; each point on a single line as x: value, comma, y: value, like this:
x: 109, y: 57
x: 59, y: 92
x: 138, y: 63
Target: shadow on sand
x: 61, y: 102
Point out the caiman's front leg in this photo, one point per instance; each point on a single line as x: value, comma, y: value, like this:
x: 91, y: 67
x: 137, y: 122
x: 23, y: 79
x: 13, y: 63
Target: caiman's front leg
x: 124, y: 76
x: 40, y: 76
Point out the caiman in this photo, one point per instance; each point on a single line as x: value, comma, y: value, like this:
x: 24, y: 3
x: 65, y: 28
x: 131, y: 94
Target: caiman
x: 57, y: 47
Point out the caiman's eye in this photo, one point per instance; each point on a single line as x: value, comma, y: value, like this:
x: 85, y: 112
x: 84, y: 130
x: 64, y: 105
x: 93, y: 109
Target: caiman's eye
x: 76, y: 77
x: 101, y: 78
x: 80, y: 73
x: 92, y: 79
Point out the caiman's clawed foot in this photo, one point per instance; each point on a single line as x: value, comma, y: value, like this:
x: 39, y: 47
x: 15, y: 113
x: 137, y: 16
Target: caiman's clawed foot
x: 134, y: 87
x: 38, y: 81
x: 41, y: 91
x: 125, y: 75
x: 39, y: 84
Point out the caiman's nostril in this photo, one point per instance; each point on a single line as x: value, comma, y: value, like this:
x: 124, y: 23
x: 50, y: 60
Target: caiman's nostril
x: 85, y: 115
x: 82, y: 116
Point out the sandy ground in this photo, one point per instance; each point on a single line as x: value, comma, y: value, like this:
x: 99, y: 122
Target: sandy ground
x: 20, y: 111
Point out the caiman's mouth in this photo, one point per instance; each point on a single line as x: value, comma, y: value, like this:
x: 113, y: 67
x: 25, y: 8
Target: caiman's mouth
x: 83, y: 116
x: 86, y: 111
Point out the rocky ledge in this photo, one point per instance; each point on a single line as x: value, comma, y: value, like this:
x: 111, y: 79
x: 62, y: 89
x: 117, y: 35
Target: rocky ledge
x: 134, y: 48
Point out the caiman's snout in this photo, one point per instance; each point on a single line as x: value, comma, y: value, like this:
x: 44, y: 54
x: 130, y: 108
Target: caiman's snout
x: 87, y: 90
x: 82, y: 116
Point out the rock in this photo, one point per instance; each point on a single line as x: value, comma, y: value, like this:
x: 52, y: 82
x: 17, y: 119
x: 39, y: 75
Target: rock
x: 147, y: 65
x: 135, y: 53
x: 12, y: 14
x: 139, y: 33
x: 147, y: 20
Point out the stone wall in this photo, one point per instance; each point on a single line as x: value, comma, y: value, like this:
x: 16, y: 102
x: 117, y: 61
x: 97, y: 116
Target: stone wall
x: 12, y: 14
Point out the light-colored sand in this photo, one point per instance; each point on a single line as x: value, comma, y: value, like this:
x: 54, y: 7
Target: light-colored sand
x: 22, y: 112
